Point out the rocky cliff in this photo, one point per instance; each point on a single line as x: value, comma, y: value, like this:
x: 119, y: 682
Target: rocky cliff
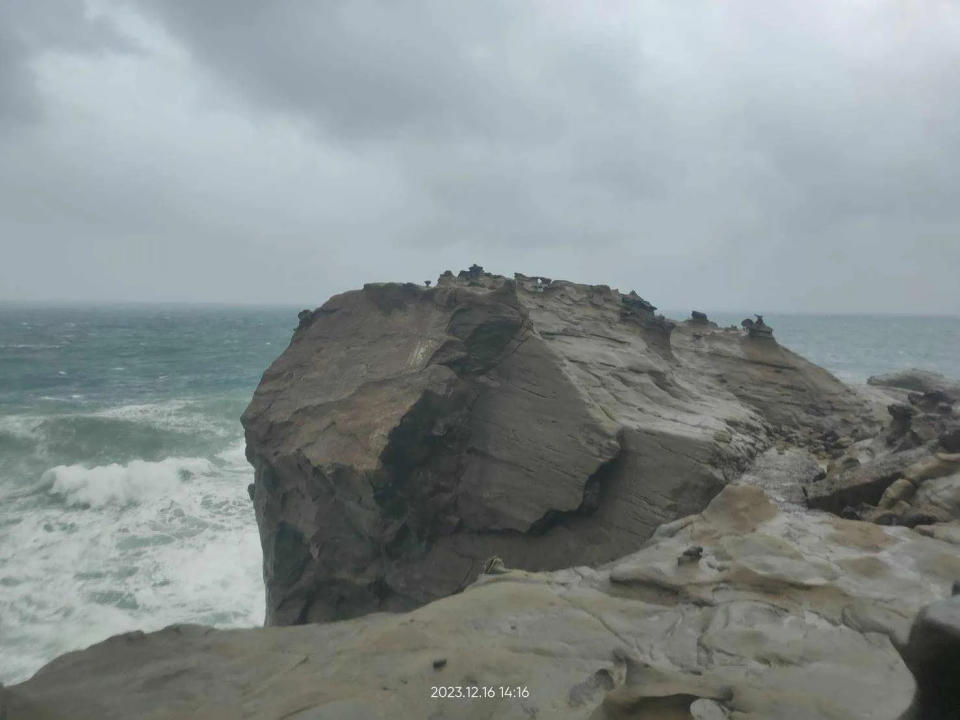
x: 409, y: 433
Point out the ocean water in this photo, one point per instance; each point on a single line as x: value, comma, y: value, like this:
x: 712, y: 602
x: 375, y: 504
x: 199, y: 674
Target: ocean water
x: 123, y: 501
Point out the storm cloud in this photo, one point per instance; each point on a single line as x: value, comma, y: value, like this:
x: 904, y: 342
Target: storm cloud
x: 752, y: 156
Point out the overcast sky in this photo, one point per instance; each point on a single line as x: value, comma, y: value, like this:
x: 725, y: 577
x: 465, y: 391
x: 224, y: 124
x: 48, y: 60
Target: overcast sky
x: 753, y: 155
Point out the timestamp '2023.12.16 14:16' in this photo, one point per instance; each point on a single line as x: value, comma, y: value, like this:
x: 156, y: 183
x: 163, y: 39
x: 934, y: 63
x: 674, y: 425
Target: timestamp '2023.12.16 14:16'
x: 480, y: 692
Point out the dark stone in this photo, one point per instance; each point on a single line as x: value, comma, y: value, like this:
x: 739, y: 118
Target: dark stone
x: 474, y: 272
x: 699, y: 317
x: 950, y: 440
x: 584, y: 692
x: 690, y: 555
x: 635, y: 302
x: 251, y: 490
x: 933, y: 655
x: 849, y: 513
x: 305, y: 317
x: 439, y: 663
x: 289, y: 555
x: 758, y: 329
x: 931, y: 401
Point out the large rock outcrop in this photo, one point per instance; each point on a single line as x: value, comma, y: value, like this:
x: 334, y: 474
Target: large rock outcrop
x: 745, y: 611
x: 407, y: 434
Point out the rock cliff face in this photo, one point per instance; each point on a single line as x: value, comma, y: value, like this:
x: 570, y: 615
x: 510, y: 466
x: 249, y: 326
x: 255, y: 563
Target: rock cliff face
x: 407, y: 434
x: 745, y: 611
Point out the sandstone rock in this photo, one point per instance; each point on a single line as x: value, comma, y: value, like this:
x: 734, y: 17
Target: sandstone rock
x: 879, y: 489
x: 864, y: 483
x: 409, y: 433
x: 948, y: 532
x: 784, y: 475
x: 787, y: 615
x: 936, y: 501
x: 900, y: 490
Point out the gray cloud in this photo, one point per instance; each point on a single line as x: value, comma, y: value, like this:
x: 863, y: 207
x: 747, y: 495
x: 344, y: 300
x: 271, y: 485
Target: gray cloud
x: 796, y: 156
x: 30, y: 29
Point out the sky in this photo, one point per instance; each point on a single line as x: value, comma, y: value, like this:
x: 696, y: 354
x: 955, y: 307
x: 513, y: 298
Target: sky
x: 790, y: 156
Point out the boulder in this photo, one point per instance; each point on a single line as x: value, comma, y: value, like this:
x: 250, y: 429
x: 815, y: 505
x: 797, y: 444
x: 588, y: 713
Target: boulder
x: 933, y: 655
x: 409, y: 433
x: 786, y: 615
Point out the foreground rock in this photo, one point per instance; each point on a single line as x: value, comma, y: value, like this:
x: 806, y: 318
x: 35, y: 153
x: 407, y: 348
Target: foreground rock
x: 779, y: 615
x: 934, y: 656
x: 407, y: 434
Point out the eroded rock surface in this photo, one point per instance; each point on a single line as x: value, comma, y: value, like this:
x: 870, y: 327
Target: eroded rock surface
x: 408, y: 433
x: 784, y: 614
x: 910, y: 473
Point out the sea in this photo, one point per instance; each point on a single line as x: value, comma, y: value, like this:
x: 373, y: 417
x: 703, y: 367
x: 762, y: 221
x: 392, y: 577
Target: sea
x: 123, y: 482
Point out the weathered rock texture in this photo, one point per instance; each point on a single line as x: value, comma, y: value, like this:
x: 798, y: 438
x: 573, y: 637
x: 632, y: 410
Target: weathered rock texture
x: 786, y: 614
x: 909, y: 474
x: 408, y: 433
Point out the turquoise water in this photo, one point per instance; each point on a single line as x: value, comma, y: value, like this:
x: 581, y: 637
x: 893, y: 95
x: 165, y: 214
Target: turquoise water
x: 123, y: 501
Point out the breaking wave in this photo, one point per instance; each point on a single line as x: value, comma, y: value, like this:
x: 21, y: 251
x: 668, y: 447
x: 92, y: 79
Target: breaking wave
x: 122, y: 484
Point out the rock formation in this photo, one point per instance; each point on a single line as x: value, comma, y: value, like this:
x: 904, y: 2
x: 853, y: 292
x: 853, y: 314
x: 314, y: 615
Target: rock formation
x: 782, y: 614
x: 409, y: 433
x: 909, y: 474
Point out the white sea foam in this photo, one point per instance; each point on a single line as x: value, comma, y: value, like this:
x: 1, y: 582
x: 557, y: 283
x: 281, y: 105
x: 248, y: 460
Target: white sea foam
x: 135, y: 546
x: 122, y: 484
x: 178, y: 415
x: 23, y: 427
